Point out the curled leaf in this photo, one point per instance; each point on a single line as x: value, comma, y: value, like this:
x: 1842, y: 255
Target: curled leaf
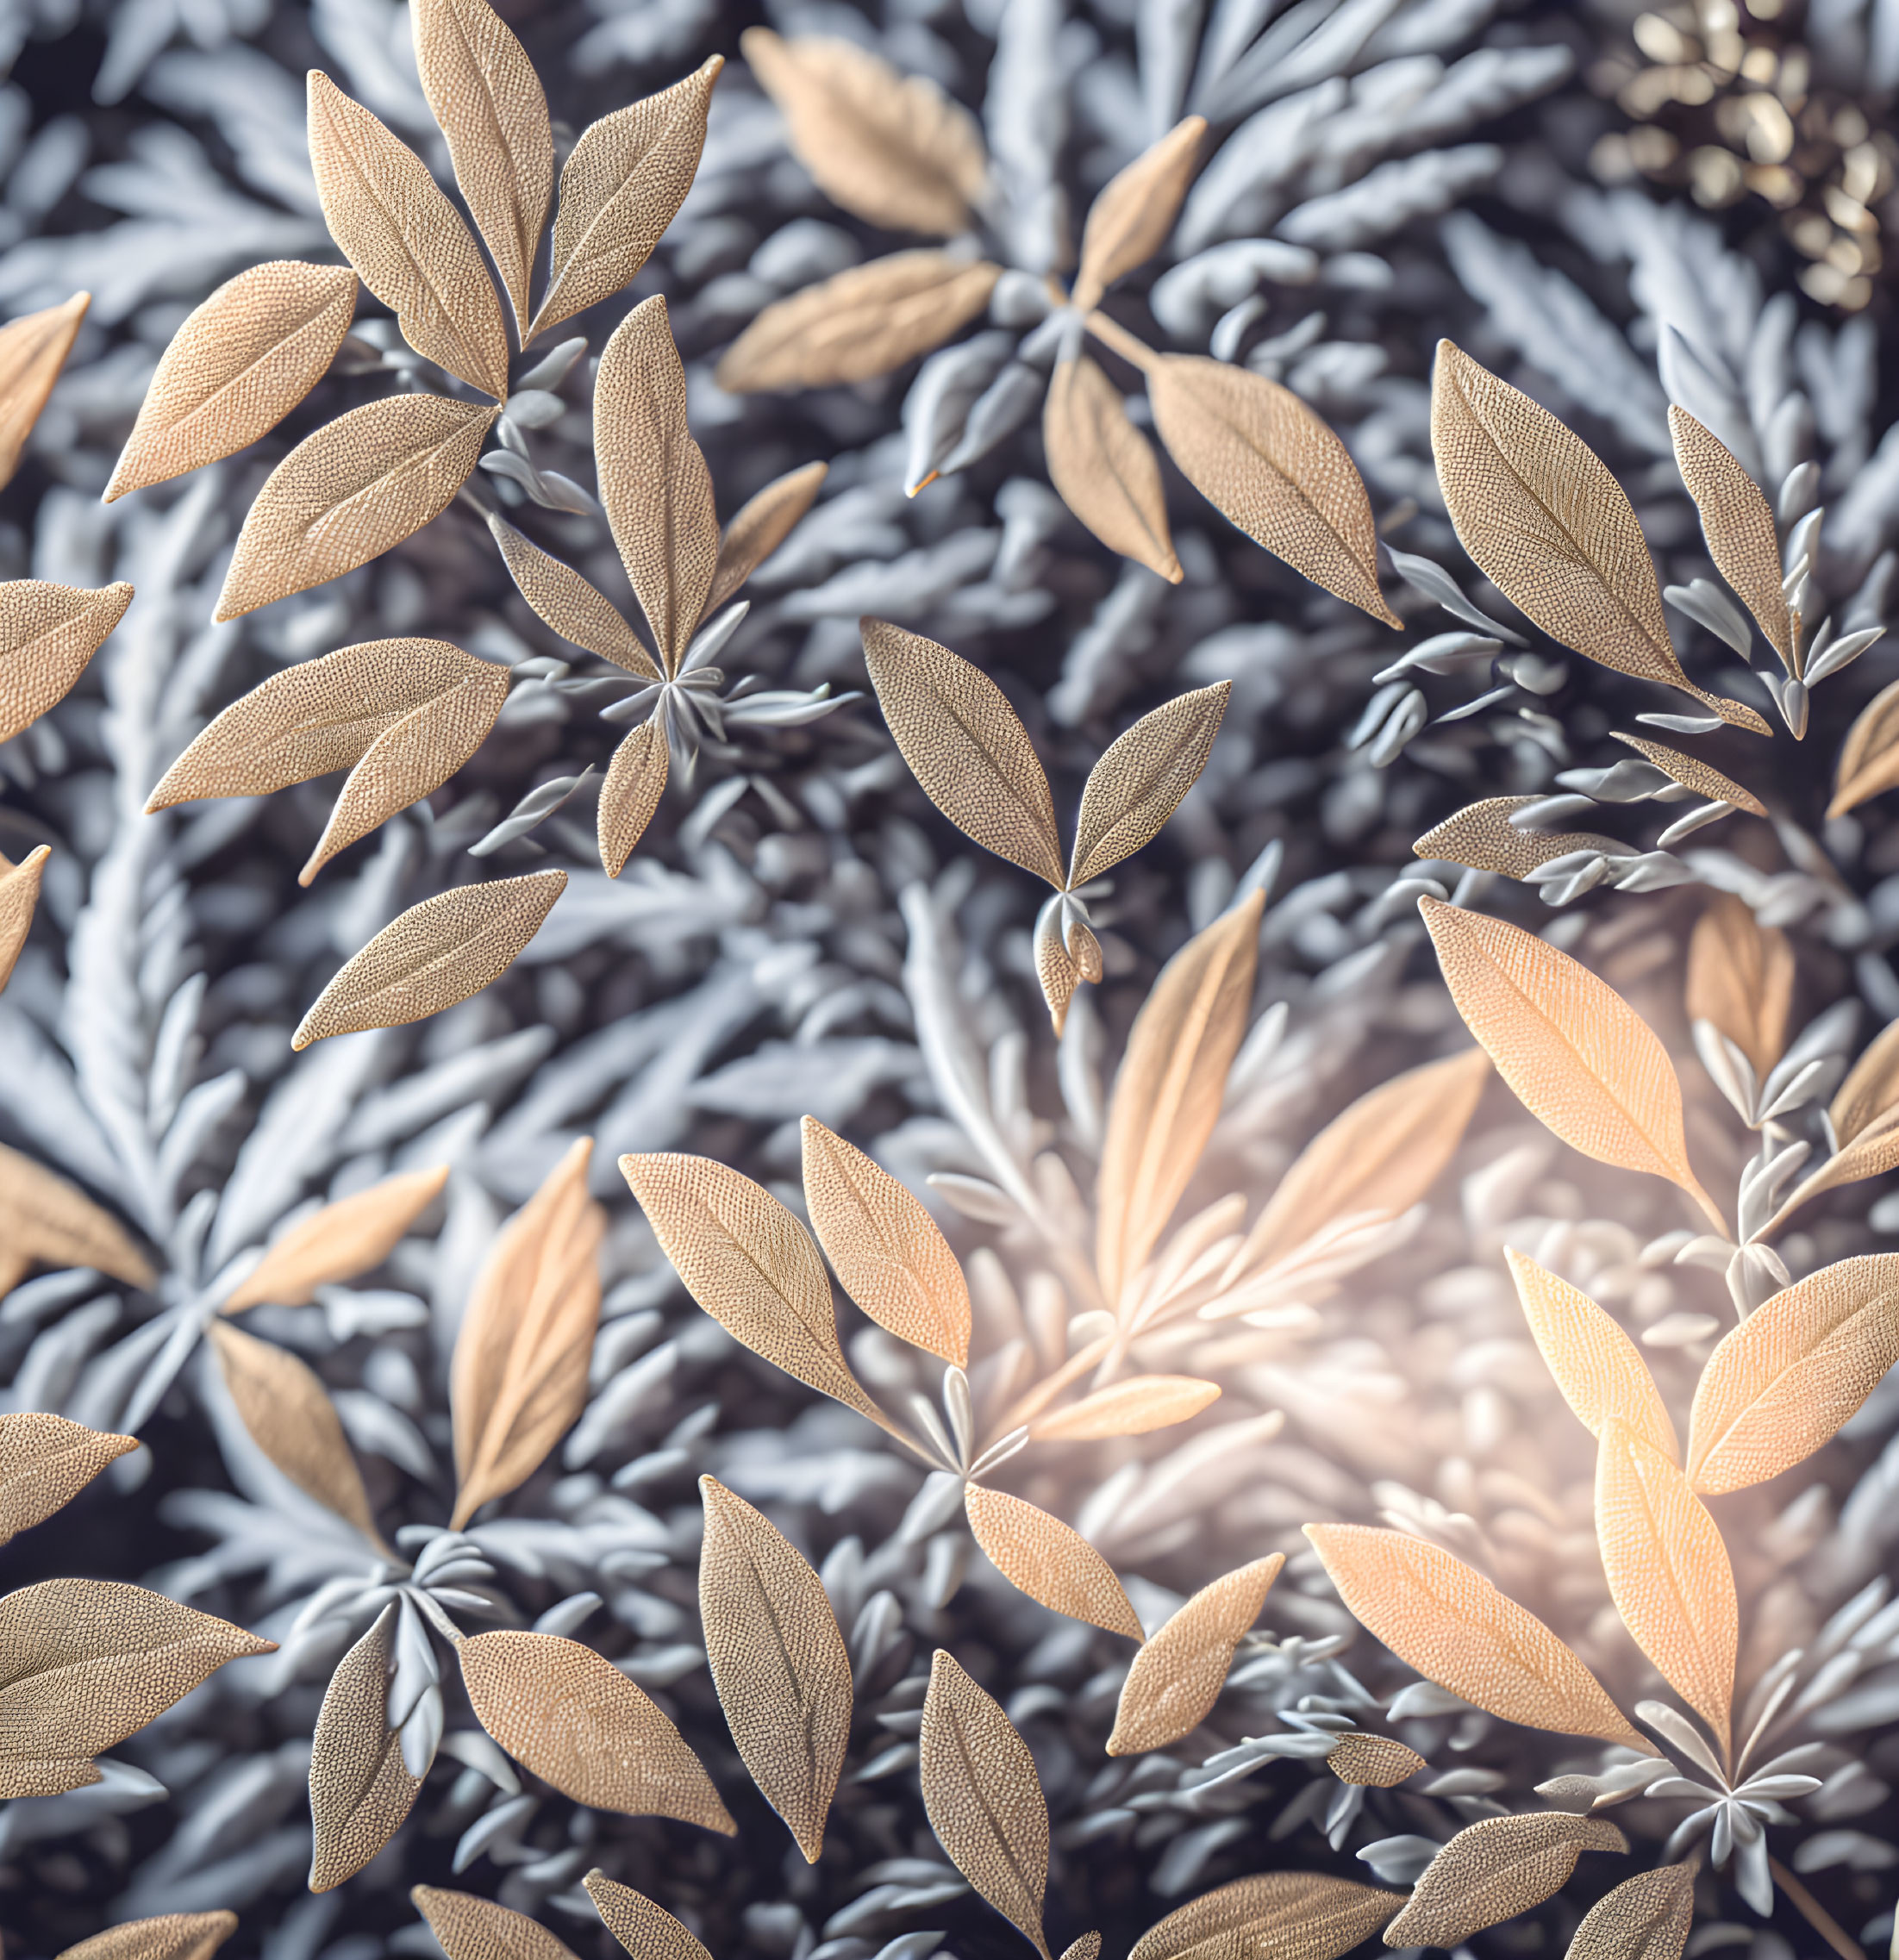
x: 1645, y: 1918
x: 47, y: 634
x: 1135, y: 1406
x: 1177, y: 1674
x: 636, y: 779
x: 33, y: 350
x: 1050, y: 1561
x: 1869, y: 761
x: 1482, y: 836
x: 1139, y: 781
x: 1276, y: 1915
x: 341, y: 1241
x: 1692, y: 773
x: 19, y: 894
x: 44, y: 1218
x: 1739, y: 527
x: 1135, y: 210
x: 1740, y: 979
x: 761, y: 526
x: 171, y: 1936
x: 1494, y: 1870
x: 472, y: 1928
x: 1372, y: 1761
x: 45, y: 1463
x: 1104, y: 469
x: 647, y: 1930
x: 576, y: 609
x: 360, y: 1790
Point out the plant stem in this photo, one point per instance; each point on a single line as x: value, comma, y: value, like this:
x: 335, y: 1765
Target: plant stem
x: 1814, y: 1914
x: 1112, y: 334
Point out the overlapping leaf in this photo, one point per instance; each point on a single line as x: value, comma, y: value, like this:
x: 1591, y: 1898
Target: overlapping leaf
x: 19, y: 894
x: 45, y: 1463
x: 1104, y: 469
x: 340, y: 1241
x: 1740, y: 979
x: 1482, y: 836
x: 33, y: 350
x: 1739, y: 527
x: 1177, y: 1674
x: 1692, y: 773
x: 47, y: 634
x: 360, y: 1791
x: 1494, y: 1870
x: 1050, y: 1561
x: 44, y: 1218
x: 1276, y: 1915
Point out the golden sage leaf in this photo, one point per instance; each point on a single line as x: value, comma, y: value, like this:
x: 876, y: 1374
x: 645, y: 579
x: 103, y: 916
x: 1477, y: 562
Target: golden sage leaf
x: 1578, y: 1057
x: 19, y: 894
x: 407, y: 241
x: 349, y: 491
x: 432, y: 956
x: 237, y: 366
x: 1692, y: 773
x: 1177, y: 1674
x: 635, y: 781
x: 1494, y: 1870
x: 1372, y: 1761
x: 1134, y: 210
x: 1739, y: 527
x: 646, y: 1929
x: 1538, y: 510
x: 886, y: 1248
x: 1740, y: 980
x: 1052, y: 1562
x: 360, y: 1791
x: 33, y: 350
x: 779, y: 1662
x: 45, y: 1463
x: 1445, y: 1618
x: 47, y: 634
x: 518, y: 1380
x: 1482, y: 836
x: 1104, y: 469
x: 1136, y: 1407
x: 859, y: 324
x: 1277, y: 1915
x: 762, y: 523
x: 338, y: 1242
x: 43, y: 1217
x: 1871, y: 1088
x: 983, y: 1798
x: 1138, y: 782
x: 562, y: 598
x: 1668, y: 1572
x: 1869, y: 760
x: 965, y: 745
x: 1645, y: 1918
x: 85, y: 1663
x: 890, y: 148
x: 171, y: 1936
x: 472, y: 1928
x: 1781, y: 1384
x: 1088, y: 1947
x: 573, y: 1718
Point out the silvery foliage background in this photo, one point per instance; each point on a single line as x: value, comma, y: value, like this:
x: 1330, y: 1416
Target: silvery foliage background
x: 801, y: 933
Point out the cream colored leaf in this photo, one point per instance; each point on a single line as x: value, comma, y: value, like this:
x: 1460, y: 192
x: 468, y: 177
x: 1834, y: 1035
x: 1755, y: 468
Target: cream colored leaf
x: 1136, y: 1407
x: 646, y: 1929
x: 761, y: 526
x: 342, y: 1241
x: 1872, y: 1150
x: 1372, y: 1761
x: 1668, y: 1572
x: 1869, y: 761
x: 890, y: 148
x: 433, y: 955
x: 859, y: 324
x: 1692, y: 773
x: 1781, y: 1384
x: 1739, y: 527
x: 1448, y: 1621
x: 19, y: 894
x: 1177, y: 1674
x: 407, y: 241
x: 983, y: 1798
x: 45, y: 1463
x: 350, y: 491
x: 578, y: 1723
x: 1135, y: 210
x: 1599, y: 1368
x: 33, y: 350
x: 1577, y: 1056
x: 1050, y: 1561
x: 1168, y: 1091
x: 43, y: 1217
x: 743, y: 1257
x: 518, y: 1380
x: 485, y: 95
x: 653, y: 481
x: 779, y: 1662
x: 171, y: 1936
x: 1494, y: 1870
x: 1139, y: 781
x: 472, y: 1928
x: 85, y: 1663
x: 1267, y: 463
x: 966, y: 745
x: 1277, y: 1915
x: 1059, y: 975
x: 562, y: 598
x: 1482, y: 836
x: 1645, y: 1918
x: 636, y: 779
x: 1104, y: 469
x: 47, y: 634
x: 886, y: 1248
x: 1871, y: 1088
x: 1551, y: 529
x: 360, y: 1790
x: 620, y: 189
x: 237, y: 366
x: 1740, y: 979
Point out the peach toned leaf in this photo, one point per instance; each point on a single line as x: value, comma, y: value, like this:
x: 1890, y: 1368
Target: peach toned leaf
x: 761, y: 526
x: 1372, y: 1761
x: 45, y: 1463
x: 1740, y: 980
x: 1177, y: 1674
x: 1692, y: 773
x: 171, y: 1936
x: 646, y: 1929
x: 44, y: 1218
x: 1865, y: 1118
x: 342, y: 1241
x: 1871, y: 1088
x: 1050, y: 1561
x: 1088, y: 1947
x: 1869, y: 761
x: 1494, y: 1870
x: 1739, y: 527
x: 360, y: 1790
x: 1645, y: 1918
x: 47, y: 634
x: 636, y: 779
x: 1482, y: 836
x: 1139, y: 781
x: 1277, y: 1915
x: 19, y: 894
x: 472, y: 1928
x: 1136, y: 1407
x: 562, y: 598
x: 1134, y: 210
x: 1104, y: 469
x: 33, y: 350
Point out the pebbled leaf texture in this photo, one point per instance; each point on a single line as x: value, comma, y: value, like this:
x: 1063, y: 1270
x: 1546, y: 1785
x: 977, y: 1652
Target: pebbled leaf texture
x: 762, y: 523
x: 1692, y: 773
x: 47, y: 634
x: 1179, y: 1674
x: 1372, y: 1761
x: 563, y: 599
x: 1870, y: 1090
x: 1494, y: 1870
x: 1740, y: 979
x: 1104, y: 469
x: 45, y: 1463
x: 1134, y: 210
x: 1050, y: 1561
x: 472, y: 1928
x: 19, y: 895
x: 1139, y: 781
x: 340, y: 1241
x: 1868, y: 759
x: 42, y: 1217
x: 635, y: 781
x: 1645, y: 1918
x: 1739, y: 527
x: 33, y: 350
x: 1275, y: 1915
x: 171, y: 1936
x: 647, y: 1930
x: 1482, y: 836
x: 1135, y: 1406
x: 359, y: 1791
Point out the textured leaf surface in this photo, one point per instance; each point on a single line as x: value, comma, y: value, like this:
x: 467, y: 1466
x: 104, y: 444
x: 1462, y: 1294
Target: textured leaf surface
x: 1136, y: 1407
x: 1482, y: 836
x: 1138, y: 783
x: 1104, y: 469
x: 1738, y: 526
x: 1645, y: 1918
x: 1869, y: 761
x: 33, y: 350
x: 472, y: 1928
x: 340, y: 1241
x: 19, y: 895
x: 43, y: 1217
x: 1494, y: 1870
x: 360, y: 1790
x: 1871, y: 1088
x: 47, y: 634
x: 635, y: 781
x: 762, y: 523
x: 1050, y: 1561
x: 576, y: 609
x: 1372, y: 1761
x: 45, y: 1463
x: 1692, y: 773
x: 1134, y: 210
x: 171, y: 1936
x: 1740, y: 978
x: 647, y: 1930
x: 1177, y: 1674
x: 1277, y: 1915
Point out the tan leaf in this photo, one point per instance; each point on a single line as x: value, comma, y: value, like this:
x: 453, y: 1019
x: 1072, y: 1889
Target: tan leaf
x: 761, y: 526
x: 620, y: 189
x: 636, y: 779
x: 886, y: 1248
x: 85, y: 1663
x: 485, y: 95
x: 1494, y: 1870
x: 1871, y: 1088
x: 1135, y: 210
x: 407, y: 241
x: 1578, y: 1057
x: 1869, y: 761
x: 1865, y: 1119
x: 1781, y: 1384
x: 1599, y: 1368
x: 349, y: 491
x: 859, y: 323
x: 646, y: 1929
x: 1740, y: 979
x: 360, y: 1790
x: 653, y: 481
x: 1448, y: 1621
x: 1739, y: 527
x: 1264, y: 459
x: 1482, y: 836
x: 340, y: 1241
x: 1668, y: 1572
x: 890, y: 147
x: 1055, y: 967
x: 563, y: 599
x: 983, y: 1798
x: 1169, y: 1089
x: 292, y: 1420
x: 1139, y: 781
x: 1104, y: 469
x: 1050, y: 1561
x: 1372, y: 1761
x: 573, y: 1718
x: 45, y: 1463
x: 171, y: 1936
x: 1645, y: 1918
x: 19, y: 894
x: 472, y: 1928
x: 518, y: 1381
x: 1136, y: 1407
x: 1277, y: 1915
x: 43, y: 1217
x: 1088, y: 1947
x: 33, y: 350
x: 1692, y: 773
x: 1550, y: 528
x: 1177, y: 1674
x: 237, y: 366
x: 743, y: 1257
x: 778, y: 1660
x: 47, y: 634
x: 966, y: 745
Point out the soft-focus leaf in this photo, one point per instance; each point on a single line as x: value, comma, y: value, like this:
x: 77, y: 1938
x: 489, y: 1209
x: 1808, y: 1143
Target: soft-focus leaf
x: 1865, y: 1115
x: 1135, y: 210
x: 1276, y: 1915
x: 1871, y: 1088
x: 1739, y: 527
x: 647, y: 1930
x: 33, y: 350
x: 45, y: 1463
x: 472, y: 1928
x: 47, y: 634
x: 1372, y: 1761
x: 1645, y: 1918
x: 1104, y: 469
x: 762, y: 523
x: 1482, y: 836
x: 1692, y: 773
x: 1050, y: 1561
x: 1177, y: 1674
x: 1494, y: 1870
x: 1138, y: 783
x: 19, y: 894
x: 44, y: 1218
x: 563, y: 599
x: 360, y: 1790
x: 635, y: 781
x: 171, y: 1936
x: 351, y: 1237
x: 1869, y: 761
x: 1135, y: 1406
x: 1740, y: 979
